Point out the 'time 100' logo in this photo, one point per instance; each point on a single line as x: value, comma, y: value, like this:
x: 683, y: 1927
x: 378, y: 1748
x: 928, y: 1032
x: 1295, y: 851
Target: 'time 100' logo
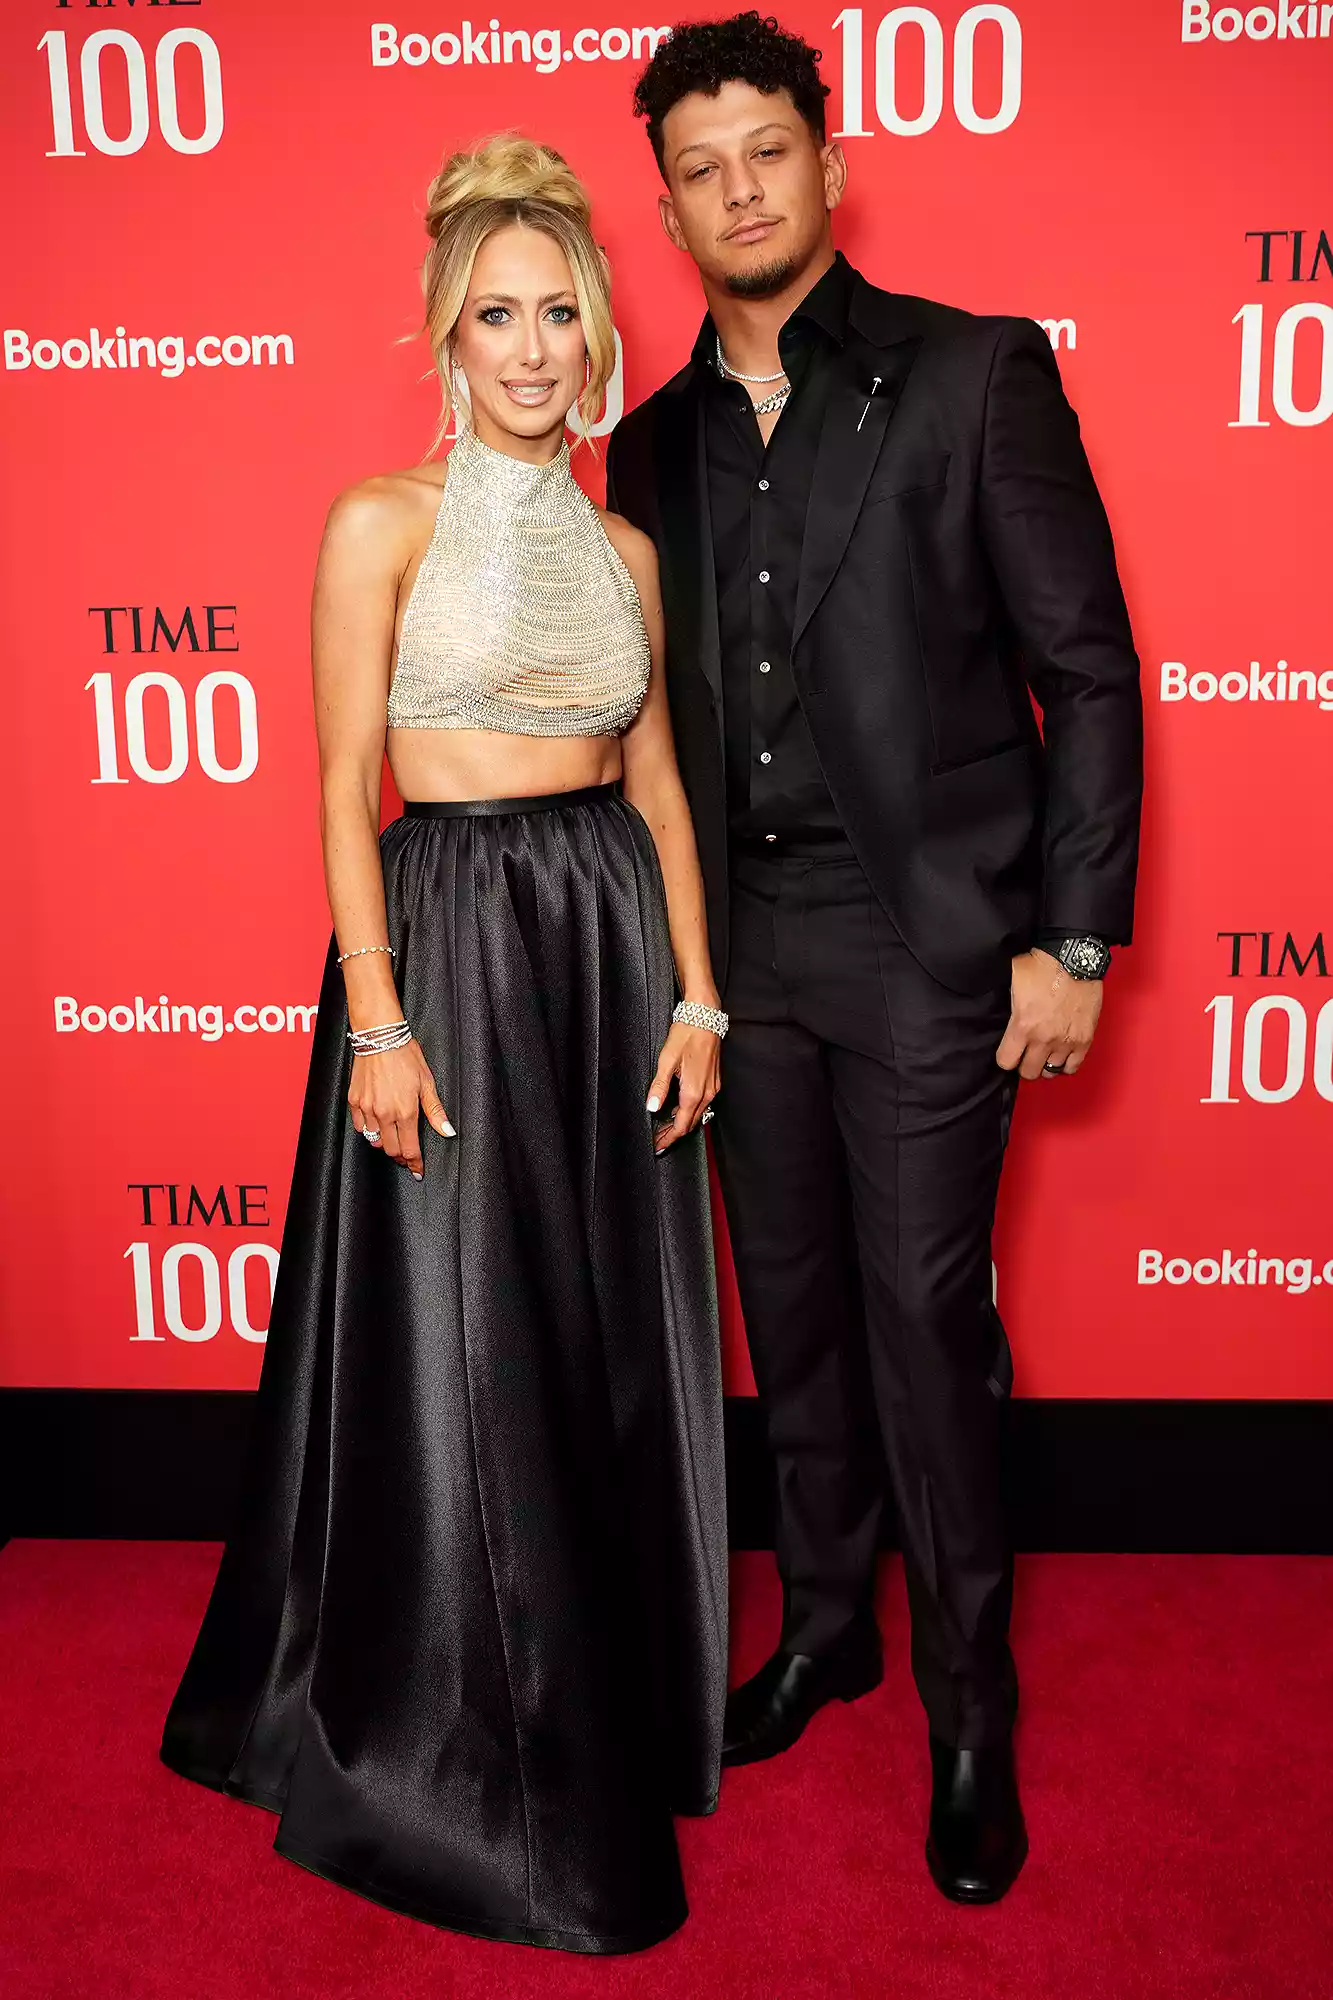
x: 908, y: 110
x: 114, y: 56
x: 1294, y: 257
x: 1283, y: 1043
x: 154, y: 697
x: 187, y: 1277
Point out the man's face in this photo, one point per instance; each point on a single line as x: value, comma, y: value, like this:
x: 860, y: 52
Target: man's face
x: 750, y: 187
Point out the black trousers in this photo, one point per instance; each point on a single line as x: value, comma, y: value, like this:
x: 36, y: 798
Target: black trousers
x: 860, y: 1133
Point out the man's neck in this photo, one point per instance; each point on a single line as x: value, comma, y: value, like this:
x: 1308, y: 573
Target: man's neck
x: 749, y: 328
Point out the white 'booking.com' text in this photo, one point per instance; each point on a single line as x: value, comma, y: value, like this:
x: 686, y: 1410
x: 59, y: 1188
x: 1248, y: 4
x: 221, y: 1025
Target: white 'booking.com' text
x: 161, y: 1016
x: 1234, y: 1267
x: 1276, y: 683
x: 168, y: 353
x: 489, y: 46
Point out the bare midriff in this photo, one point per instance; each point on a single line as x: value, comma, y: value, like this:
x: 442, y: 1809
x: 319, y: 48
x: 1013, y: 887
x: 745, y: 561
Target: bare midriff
x: 430, y: 765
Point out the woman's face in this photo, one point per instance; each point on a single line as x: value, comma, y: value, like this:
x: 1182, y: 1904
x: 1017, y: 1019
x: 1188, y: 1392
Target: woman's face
x: 519, y: 339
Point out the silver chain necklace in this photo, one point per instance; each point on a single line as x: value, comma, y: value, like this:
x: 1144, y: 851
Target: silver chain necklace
x: 767, y: 404
x: 736, y: 374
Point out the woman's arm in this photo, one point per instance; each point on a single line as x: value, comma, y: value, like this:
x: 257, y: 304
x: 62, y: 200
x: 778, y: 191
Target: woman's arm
x: 652, y: 785
x: 366, y: 547
x: 652, y: 781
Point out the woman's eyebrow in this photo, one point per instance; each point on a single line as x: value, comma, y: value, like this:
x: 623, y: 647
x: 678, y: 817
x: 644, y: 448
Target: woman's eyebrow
x: 504, y: 299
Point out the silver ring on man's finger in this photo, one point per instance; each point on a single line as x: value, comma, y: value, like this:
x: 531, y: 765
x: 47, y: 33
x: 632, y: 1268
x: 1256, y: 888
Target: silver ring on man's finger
x: 707, y: 1115
x: 1054, y: 1069
x: 373, y: 1137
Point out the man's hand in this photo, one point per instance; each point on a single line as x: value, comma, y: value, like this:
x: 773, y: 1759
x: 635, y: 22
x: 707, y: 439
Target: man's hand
x: 1052, y: 1018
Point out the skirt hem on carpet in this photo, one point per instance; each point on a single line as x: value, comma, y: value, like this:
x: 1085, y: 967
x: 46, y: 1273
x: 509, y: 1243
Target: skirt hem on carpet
x: 587, y: 1942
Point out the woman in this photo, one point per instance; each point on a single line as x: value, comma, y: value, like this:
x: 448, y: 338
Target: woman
x: 469, y: 1640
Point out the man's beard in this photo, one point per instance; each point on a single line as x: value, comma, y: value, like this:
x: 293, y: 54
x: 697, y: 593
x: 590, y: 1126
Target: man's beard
x: 762, y: 281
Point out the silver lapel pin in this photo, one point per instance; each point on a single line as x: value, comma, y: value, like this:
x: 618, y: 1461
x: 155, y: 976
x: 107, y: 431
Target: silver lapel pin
x: 869, y: 399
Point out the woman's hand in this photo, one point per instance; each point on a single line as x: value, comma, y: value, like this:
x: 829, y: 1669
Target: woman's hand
x: 694, y: 1057
x: 386, y: 1094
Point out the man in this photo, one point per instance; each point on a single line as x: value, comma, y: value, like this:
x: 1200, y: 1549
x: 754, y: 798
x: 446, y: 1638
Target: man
x: 877, y: 532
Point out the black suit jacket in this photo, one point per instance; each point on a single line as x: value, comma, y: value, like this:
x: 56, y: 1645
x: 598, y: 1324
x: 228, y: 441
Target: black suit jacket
x: 956, y: 555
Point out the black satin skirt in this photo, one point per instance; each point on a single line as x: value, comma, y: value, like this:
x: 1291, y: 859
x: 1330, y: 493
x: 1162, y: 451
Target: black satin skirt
x: 469, y: 1637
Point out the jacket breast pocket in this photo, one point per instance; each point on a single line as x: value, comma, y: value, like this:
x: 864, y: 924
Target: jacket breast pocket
x: 915, y: 473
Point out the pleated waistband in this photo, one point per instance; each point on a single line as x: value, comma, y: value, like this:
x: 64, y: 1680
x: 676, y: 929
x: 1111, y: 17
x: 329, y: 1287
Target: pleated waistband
x: 588, y: 795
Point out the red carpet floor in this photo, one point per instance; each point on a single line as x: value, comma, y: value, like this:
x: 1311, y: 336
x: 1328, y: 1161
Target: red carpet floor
x: 1177, y: 1759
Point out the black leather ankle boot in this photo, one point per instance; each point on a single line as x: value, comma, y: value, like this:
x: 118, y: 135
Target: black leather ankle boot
x: 977, y: 1841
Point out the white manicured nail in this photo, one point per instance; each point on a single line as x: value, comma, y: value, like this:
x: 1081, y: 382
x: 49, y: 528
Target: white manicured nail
x: 418, y: 1177
x: 654, y: 1104
x: 448, y: 1130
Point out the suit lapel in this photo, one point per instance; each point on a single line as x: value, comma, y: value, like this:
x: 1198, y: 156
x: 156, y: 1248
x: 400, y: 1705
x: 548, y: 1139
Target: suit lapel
x: 855, y: 421
x: 690, y: 582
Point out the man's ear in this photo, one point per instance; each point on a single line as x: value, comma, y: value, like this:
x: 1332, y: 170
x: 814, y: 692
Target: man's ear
x: 666, y: 210
x: 835, y: 174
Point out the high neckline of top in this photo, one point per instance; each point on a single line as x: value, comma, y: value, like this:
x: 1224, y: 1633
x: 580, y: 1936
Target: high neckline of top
x: 516, y: 478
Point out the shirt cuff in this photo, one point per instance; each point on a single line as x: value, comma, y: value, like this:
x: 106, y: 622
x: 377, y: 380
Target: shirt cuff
x: 1051, y: 940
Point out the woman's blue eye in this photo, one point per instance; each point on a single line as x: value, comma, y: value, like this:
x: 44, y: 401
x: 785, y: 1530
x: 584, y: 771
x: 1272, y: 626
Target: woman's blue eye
x: 496, y: 315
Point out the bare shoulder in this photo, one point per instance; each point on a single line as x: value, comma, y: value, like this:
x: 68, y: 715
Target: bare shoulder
x: 385, y: 518
x: 634, y: 548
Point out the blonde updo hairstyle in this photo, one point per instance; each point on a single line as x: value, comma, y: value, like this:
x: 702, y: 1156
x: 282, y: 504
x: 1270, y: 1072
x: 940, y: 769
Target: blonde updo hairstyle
x: 510, y: 179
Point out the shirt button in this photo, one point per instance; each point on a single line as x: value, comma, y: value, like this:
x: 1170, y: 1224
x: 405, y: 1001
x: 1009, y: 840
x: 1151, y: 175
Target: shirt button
x: 765, y: 756
x: 763, y: 576
x: 765, y: 666
x: 763, y: 488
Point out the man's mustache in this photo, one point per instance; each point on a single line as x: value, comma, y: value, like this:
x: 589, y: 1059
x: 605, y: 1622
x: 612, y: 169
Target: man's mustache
x: 748, y: 222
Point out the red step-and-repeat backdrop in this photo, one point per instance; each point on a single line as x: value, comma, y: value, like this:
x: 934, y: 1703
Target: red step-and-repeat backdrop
x: 213, y: 229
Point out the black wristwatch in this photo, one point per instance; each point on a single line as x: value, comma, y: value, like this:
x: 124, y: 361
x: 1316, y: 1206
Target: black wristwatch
x: 1082, y: 956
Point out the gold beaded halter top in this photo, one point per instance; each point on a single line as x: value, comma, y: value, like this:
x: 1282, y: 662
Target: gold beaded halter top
x: 522, y: 617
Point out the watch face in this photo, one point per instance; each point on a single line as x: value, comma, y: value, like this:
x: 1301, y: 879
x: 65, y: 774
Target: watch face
x: 1086, y: 958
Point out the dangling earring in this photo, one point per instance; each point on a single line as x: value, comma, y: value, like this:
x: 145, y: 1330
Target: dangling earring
x: 458, y: 392
x: 584, y: 434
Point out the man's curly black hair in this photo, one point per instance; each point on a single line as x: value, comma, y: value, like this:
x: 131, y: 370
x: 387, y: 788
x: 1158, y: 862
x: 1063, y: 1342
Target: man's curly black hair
x: 746, y: 48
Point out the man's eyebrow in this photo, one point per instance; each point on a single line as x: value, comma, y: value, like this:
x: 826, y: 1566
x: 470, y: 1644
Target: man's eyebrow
x: 706, y: 146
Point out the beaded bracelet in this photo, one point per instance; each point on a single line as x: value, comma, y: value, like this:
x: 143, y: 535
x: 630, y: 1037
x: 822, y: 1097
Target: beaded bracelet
x: 363, y: 950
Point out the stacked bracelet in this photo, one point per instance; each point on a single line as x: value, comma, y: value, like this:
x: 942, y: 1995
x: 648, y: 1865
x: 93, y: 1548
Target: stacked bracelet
x: 361, y: 952
x: 380, y: 1041
x: 693, y: 1014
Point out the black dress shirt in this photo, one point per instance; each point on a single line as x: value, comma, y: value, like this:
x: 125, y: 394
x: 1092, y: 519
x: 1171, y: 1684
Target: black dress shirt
x: 757, y: 497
